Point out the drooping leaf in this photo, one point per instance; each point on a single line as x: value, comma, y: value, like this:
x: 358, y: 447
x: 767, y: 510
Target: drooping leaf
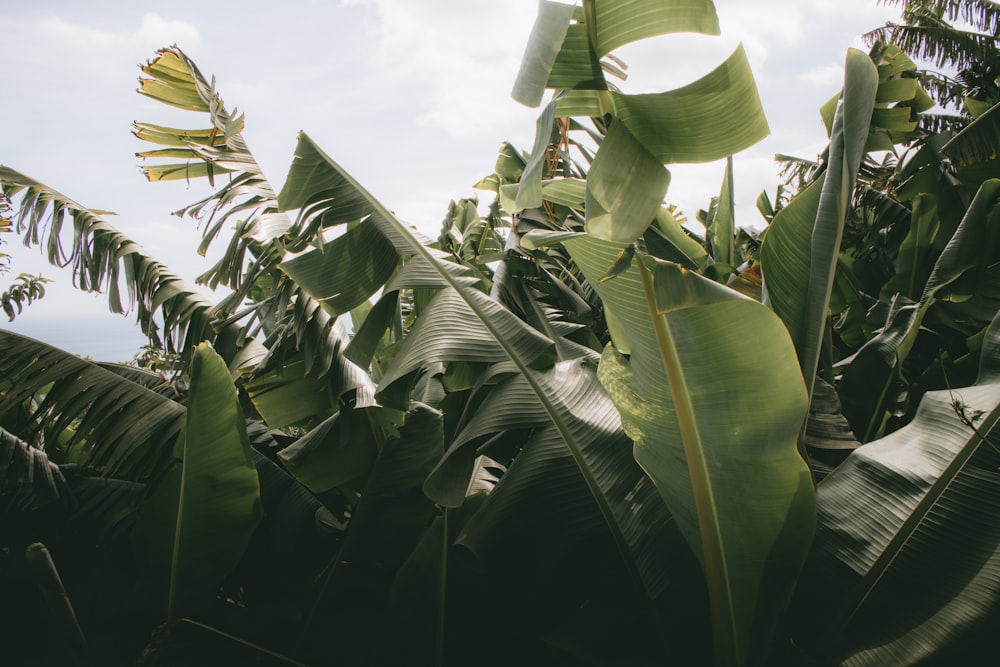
x: 625, y: 188
x: 106, y: 420
x: 25, y: 290
x: 104, y: 259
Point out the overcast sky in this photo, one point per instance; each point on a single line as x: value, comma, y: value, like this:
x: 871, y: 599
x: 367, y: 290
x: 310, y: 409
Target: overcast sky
x: 410, y: 96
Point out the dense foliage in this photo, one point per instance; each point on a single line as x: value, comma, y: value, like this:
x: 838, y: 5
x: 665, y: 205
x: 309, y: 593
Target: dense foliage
x: 570, y: 430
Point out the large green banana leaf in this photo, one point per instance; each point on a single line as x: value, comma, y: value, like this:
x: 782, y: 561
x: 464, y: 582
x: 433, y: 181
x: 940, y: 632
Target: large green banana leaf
x: 709, y: 119
x: 387, y: 522
x: 625, y: 188
x: 561, y: 54
x: 200, y: 517
x: 905, y: 567
x: 96, y: 416
x: 419, y: 628
x: 799, y: 253
x: 578, y: 444
x: 620, y: 22
x: 358, y: 262
x: 714, y: 411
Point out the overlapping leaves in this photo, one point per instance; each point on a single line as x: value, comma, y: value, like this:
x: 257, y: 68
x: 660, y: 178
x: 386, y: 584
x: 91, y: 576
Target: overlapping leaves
x: 931, y: 494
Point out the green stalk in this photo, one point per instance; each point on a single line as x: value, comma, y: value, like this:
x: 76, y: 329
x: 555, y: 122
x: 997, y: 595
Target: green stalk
x: 442, y: 597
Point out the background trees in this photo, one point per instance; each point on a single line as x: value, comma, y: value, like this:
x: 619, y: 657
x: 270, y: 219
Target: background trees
x: 570, y: 427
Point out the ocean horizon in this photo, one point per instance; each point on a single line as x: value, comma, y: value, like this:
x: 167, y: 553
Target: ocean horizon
x: 99, y: 336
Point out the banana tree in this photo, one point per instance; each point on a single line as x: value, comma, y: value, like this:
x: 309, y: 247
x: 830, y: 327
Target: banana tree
x: 670, y: 369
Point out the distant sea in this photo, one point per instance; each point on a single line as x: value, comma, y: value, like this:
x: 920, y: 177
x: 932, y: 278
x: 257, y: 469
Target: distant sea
x: 102, y: 336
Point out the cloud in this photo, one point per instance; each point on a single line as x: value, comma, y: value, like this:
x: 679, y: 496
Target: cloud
x: 88, y: 49
x: 156, y: 31
x: 54, y: 39
x: 828, y: 77
x: 450, y: 63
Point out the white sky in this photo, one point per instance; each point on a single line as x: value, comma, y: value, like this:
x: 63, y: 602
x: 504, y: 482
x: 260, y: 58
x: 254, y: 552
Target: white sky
x: 410, y: 96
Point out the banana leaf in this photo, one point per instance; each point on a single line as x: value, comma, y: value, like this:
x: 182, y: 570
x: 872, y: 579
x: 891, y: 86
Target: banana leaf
x: 625, y: 188
x: 721, y: 451
x: 905, y: 568
x: 387, y: 522
x: 565, y: 54
x: 105, y: 259
x: 28, y: 479
x: 799, y: 253
x: 198, y: 520
x: 98, y: 417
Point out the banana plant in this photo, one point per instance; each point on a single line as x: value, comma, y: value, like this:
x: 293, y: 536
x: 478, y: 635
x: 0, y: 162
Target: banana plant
x: 671, y: 370
x: 461, y: 324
